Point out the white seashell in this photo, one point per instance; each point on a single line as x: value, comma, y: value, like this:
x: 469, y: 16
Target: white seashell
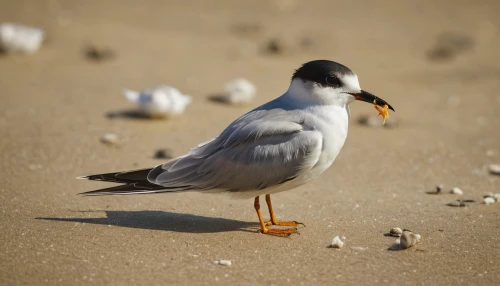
x: 396, y: 232
x: 337, y: 242
x: 456, y: 191
x: 494, y: 169
x: 239, y: 91
x: 224, y: 262
x: 489, y: 200
x: 408, y: 239
x: 160, y: 101
x: 110, y: 139
x: 20, y: 38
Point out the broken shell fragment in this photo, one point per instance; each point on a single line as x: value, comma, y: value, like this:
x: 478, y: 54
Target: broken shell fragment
x: 110, y: 139
x: 408, y: 239
x: 223, y: 262
x: 456, y: 191
x: 337, y: 242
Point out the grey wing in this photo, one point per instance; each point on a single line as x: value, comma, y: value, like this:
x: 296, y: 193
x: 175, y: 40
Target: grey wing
x: 249, y: 155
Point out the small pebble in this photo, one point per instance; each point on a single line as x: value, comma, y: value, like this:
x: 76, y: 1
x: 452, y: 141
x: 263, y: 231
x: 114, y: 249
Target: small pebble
x: 163, y: 154
x: 494, y: 169
x: 489, y: 200
x: 457, y: 203
x: 439, y: 189
x: 98, y: 54
x: 275, y: 47
x: 337, y: 242
x: 396, y: 232
x: 239, y: 91
x: 456, y: 191
x: 408, y: 239
x: 223, y: 262
x: 110, y: 139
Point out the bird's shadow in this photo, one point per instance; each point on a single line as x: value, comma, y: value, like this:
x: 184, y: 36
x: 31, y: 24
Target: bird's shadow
x: 163, y: 220
x: 128, y: 114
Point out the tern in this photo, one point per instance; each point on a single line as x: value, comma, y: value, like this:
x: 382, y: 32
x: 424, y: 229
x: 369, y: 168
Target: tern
x: 276, y: 147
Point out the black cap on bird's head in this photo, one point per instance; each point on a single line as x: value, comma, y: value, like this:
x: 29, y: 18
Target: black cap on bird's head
x: 332, y: 74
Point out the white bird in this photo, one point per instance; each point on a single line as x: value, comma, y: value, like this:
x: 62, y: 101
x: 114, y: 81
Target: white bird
x: 239, y: 91
x: 159, y: 101
x: 278, y: 146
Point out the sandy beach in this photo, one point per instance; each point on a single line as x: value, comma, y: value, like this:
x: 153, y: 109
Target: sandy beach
x: 436, y: 62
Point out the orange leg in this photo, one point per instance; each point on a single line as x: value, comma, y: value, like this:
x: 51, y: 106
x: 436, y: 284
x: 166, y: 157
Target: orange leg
x: 265, y: 230
x: 273, y: 220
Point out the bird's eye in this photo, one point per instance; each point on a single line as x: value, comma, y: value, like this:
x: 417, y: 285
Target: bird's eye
x: 333, y: 81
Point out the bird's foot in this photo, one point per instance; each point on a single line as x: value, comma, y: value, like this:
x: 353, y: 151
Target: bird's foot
x: 284, y: 232
x: 284, y: 223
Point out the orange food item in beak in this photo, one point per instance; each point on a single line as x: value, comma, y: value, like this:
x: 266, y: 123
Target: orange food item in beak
x: 383, y: 112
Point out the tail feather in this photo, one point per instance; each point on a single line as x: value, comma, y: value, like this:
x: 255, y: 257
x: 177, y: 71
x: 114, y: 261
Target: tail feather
x: 121, y: 177
x: 134, y: 182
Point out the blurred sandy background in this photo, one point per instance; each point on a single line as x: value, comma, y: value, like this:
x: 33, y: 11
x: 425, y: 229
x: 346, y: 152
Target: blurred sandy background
x: 436, y: 62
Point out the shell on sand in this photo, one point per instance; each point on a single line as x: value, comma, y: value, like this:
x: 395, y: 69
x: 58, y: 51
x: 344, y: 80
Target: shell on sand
x: 160, y: 101
x: 20, y: 38
x: 239, y: 91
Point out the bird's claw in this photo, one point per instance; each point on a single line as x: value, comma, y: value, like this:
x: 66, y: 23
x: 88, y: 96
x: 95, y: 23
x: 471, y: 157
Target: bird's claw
x: 279, y: 232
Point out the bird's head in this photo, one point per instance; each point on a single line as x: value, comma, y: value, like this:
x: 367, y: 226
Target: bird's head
x: 328, y: 82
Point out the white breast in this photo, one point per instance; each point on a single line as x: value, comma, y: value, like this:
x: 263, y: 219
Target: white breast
x: 332, y: 121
